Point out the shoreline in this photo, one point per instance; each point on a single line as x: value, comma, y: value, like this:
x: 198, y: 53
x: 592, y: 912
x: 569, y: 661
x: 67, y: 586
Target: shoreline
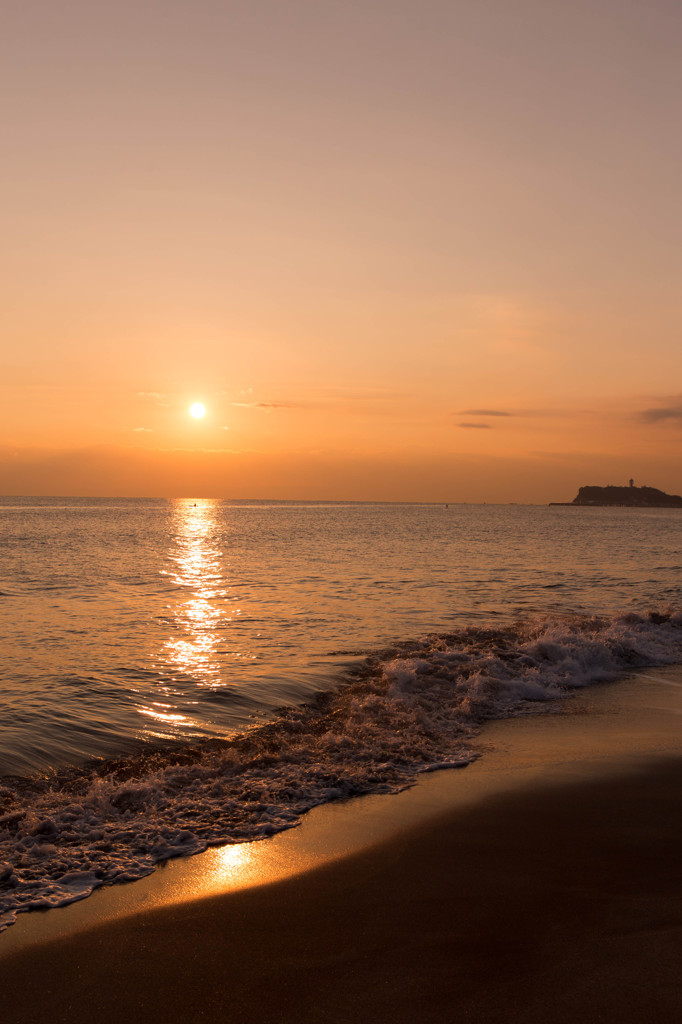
x: 608, y: 727
x: 561, y: 808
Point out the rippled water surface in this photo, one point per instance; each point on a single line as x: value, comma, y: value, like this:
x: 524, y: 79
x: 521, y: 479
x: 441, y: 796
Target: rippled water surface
x: 183, y: 673
x: 129, y: 622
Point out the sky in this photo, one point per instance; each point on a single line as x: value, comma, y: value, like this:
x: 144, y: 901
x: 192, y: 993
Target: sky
x: 412, y: 250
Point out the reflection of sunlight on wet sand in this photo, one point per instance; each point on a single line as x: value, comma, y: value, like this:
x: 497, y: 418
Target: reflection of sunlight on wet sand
x: 610, y: 730
x: 244, y: 865
x: 517, y: 751
x: 231, y: 857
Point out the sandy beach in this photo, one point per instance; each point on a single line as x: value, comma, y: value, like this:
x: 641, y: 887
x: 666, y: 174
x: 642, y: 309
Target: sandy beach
x: 540, y: 884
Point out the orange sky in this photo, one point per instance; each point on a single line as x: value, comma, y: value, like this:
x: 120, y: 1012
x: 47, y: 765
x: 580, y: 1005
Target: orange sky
x: 400, y: 250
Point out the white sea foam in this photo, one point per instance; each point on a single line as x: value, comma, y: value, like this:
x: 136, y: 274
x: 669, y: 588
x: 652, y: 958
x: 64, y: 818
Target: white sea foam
x: 405, y: 711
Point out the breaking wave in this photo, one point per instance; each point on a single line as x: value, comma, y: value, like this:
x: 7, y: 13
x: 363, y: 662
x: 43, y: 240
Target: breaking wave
x: 403, y: 711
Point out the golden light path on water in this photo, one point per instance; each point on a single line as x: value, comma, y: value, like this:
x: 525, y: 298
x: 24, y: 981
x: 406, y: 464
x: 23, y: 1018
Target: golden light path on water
x: 190, y: 655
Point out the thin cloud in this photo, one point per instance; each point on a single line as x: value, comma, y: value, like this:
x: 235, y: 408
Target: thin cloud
x: 155, y: 396
x: 475, y: 426
x: 669, y: 412
x: 211, y: 451
x: 266, y: 405
x: 362, y: 391
x: 142, y: 430
x: 533, y: 413
x: 485, y: 412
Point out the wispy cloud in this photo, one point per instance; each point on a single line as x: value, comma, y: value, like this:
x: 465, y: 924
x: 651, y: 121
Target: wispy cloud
x: 266, y: 405
x: 155, y: 396
x: 213, y: 451
x: 485, y: 412
x: 142, y: 430
x: 666, y: 412
x: 475, y: 426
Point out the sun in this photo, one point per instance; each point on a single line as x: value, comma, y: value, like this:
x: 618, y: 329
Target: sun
x: 197, y: 410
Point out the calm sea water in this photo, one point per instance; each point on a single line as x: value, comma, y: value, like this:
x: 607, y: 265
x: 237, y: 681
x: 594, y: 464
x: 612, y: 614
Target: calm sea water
x: 177, y: 673
x: 129, y: 621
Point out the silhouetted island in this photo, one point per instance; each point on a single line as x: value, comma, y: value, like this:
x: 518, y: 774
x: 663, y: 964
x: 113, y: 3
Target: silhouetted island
x: 632, y: 497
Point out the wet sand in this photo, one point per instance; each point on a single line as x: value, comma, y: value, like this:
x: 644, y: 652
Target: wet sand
x: 541, y: 884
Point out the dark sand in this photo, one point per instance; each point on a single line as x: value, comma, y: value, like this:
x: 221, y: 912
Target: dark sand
x: 548, y: 902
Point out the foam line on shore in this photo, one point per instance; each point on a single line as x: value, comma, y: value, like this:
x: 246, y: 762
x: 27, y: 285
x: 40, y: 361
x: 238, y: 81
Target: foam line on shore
x: 415, y: 708
x: 606, y: 731
x: 555, y: 902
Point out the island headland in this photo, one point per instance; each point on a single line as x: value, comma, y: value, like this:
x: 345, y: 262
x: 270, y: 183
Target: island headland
x: 624, y: 497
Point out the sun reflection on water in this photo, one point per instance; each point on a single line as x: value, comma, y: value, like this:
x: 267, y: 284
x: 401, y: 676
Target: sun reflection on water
x: 192, y: 652
x: 196, y: 568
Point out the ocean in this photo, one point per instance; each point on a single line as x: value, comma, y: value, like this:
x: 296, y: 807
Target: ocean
x: 183, y: 673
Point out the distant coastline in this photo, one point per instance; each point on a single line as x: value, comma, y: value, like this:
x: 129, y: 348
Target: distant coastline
x: 623, y: 497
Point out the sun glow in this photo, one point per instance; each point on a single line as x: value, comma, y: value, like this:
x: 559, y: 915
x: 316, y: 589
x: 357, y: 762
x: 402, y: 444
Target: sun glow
x: 197, y: 410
